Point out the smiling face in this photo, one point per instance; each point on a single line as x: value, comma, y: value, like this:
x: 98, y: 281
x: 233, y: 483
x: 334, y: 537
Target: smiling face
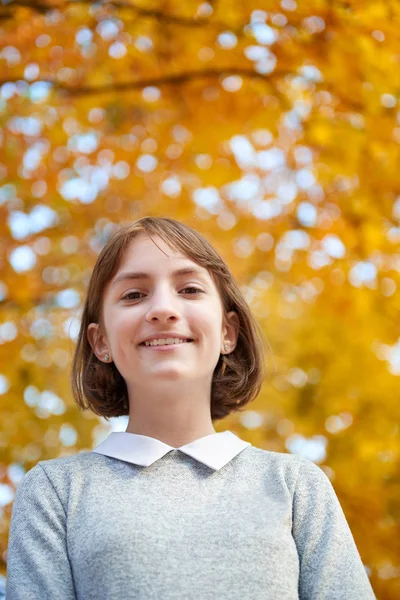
x: 163, y: 302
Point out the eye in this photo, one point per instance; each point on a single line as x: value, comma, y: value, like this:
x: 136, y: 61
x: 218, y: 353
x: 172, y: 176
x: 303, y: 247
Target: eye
x: 196, y: 290
x: 127, y: 296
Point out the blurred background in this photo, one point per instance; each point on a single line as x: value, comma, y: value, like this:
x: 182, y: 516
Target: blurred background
x: 271, y: 127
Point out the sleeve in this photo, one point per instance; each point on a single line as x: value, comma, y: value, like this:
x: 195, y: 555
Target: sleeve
x: 330, y: 564
x: 37, y: 560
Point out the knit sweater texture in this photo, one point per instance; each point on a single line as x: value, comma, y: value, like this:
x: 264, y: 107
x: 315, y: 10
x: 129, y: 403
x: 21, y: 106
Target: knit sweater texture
x: 267, y: 526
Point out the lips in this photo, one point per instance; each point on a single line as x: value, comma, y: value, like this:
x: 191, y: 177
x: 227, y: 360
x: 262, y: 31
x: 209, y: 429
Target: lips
x: 161, y: 338
x: 188, y: 341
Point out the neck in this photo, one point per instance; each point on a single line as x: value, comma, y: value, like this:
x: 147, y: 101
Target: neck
x: 175, y: 419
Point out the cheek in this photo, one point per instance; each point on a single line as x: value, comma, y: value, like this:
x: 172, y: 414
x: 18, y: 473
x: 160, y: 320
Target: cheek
x: 207, y: 326
x: 121, y: 327
x: 123, y: 319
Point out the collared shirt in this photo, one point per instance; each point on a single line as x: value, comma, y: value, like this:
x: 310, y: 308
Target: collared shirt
x: 214, y: 450
x: 97, y: 526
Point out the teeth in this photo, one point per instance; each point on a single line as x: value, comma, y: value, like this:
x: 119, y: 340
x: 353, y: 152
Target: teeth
x: 164, y: 341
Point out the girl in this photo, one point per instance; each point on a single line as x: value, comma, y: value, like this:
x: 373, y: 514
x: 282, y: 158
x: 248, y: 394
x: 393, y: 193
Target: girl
x: 169, y: 508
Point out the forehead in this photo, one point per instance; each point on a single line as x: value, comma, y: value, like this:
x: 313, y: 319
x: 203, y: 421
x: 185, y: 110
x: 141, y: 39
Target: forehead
x: 153, y: 256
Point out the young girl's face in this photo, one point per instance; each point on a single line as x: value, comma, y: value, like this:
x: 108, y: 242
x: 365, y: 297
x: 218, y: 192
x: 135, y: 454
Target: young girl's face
x: 164, y: 303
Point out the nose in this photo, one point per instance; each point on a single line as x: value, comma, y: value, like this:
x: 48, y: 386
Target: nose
x: 162, y: 307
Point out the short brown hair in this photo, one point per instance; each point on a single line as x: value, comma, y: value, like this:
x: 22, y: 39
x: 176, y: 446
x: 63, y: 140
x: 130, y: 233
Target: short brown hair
x: 237, y: 378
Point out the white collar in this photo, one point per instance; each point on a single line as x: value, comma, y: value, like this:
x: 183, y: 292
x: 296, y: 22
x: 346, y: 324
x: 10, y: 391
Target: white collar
x: 214, y: 450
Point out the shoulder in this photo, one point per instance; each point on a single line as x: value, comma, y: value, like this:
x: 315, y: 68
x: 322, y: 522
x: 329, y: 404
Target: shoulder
x: 57, y: 472
x: 281, y: 460
x: 78, y: 460
x: 296, y: 470
x: 285, y: 460
x: 52, y: 482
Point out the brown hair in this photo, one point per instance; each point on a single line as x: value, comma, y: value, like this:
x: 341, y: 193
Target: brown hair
x: 238, y: 377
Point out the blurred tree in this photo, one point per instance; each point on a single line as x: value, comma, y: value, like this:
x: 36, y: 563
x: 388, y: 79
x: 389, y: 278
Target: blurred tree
x: 276, y: 133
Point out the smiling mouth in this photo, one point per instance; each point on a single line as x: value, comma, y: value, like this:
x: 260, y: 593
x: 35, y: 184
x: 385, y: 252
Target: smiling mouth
x: 165, y: 345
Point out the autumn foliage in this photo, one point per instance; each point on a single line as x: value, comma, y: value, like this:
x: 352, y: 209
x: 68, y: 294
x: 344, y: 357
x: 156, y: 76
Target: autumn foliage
x: 271, y: 127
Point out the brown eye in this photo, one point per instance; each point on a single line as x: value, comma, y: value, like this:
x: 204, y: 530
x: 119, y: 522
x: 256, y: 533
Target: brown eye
x: 127, y: 296
x: 196, y: 290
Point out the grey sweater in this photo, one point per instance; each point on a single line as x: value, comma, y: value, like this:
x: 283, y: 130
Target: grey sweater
x: 266, y: 526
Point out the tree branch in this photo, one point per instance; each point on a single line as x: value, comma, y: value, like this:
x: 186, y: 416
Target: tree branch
x: 43, y: 8
x: 167, y: 80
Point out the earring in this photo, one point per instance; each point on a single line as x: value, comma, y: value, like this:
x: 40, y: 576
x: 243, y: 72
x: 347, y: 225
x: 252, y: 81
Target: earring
x: 106, y: 357
x: 226, y: 347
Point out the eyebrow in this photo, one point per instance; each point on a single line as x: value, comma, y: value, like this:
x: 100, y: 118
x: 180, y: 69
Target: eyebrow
x: 141, y: 275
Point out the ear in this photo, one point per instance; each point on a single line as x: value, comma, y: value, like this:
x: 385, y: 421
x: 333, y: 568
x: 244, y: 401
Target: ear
x: 98, y: 341
x: 231, y: 330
